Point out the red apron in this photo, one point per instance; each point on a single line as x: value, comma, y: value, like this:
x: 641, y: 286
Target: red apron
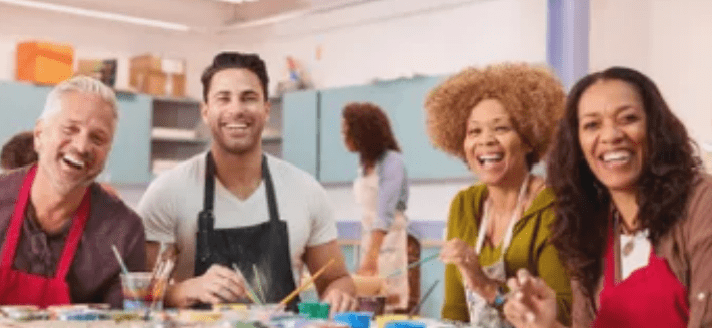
x: 651, y: 296
x: 20, y: 288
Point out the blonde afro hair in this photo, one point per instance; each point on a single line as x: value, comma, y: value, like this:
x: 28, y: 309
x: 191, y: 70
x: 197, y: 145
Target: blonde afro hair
x: 531, y: 94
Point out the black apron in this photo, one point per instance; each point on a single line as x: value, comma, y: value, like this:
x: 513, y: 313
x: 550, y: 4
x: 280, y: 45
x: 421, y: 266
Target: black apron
x: 264, y: 245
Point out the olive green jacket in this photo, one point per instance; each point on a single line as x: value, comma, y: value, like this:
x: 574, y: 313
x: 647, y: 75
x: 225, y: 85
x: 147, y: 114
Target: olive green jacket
x: 530, y: 249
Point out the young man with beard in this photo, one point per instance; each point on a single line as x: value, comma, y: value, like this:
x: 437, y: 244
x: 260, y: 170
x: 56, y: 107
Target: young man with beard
x: 236, y: 207
x: 57, y: 225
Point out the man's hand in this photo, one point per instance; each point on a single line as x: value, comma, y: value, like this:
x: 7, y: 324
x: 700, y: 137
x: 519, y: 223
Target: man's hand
x: 218, y: 285
x: 340, y: 301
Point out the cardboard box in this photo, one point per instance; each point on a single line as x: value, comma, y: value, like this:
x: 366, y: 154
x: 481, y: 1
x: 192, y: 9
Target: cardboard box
x: 146, y: 62
x: 150, y: 82
x: 103, y: 70
x: 154, y: 75
x: 176, y: 86
x: 44, y: 62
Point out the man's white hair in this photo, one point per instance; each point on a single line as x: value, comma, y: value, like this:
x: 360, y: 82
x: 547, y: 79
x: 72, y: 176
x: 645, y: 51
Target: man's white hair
x: 82, y: 84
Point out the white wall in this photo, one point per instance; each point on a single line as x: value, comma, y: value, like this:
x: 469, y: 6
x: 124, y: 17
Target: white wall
x: 383, y: 39
x: 667, y: 40
x: 99, y: 39
x: 391, y: 38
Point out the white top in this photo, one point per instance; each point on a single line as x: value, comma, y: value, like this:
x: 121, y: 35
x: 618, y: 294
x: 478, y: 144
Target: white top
x: 639, y: 256
x: 171, y: 204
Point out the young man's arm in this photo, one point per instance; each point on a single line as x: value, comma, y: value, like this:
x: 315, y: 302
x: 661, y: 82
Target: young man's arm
x: 335, y: 285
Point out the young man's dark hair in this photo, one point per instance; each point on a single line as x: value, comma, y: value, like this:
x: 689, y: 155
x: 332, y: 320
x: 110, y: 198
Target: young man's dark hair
x: 225, y: 60
x: 19, y: 151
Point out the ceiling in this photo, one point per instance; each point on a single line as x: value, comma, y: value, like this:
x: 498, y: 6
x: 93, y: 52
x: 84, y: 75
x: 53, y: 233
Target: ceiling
x: 209, y: 15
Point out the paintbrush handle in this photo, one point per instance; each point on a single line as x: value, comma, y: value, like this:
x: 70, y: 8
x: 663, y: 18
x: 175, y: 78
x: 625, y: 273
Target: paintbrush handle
x: 304, y: 285
x: 398, y: 272
x: 416, y: 308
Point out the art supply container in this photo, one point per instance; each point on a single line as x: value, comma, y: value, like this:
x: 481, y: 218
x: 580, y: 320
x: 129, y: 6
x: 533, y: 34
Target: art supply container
x: 140, y: 292
x: 314, y: 310
x: 373, y: 304
x: 355, y: 319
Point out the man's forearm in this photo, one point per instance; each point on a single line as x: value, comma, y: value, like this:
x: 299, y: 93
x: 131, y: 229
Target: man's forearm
x: 344, y: 284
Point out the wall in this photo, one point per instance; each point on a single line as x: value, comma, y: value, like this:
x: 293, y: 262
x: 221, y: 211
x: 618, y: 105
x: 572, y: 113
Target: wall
x: 392, y: 38
x: 94, y: 38
x: 667, y: 40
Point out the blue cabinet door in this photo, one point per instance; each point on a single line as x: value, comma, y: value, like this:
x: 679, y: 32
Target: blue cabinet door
x: 300, y: 130
x: 21, y: 104
x: 403, y: 101
x: 129, y: 161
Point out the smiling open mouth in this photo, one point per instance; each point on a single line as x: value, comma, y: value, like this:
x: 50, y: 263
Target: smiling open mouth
x: 617, y: 156
x: 490, y: 158
x: 73, y: 162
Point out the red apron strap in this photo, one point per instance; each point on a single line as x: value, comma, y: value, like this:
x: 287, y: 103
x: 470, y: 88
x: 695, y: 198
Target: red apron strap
x: 75, y: 235
x: 12, y: 235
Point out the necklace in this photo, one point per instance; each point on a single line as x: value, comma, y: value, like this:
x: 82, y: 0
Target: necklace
x: 628, y: 247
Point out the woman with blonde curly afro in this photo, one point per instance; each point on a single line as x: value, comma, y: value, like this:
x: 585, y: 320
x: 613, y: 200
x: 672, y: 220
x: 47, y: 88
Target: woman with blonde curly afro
x: 499, y: 120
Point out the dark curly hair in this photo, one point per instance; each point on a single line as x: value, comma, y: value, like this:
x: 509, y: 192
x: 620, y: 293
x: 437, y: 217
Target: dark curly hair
x: 369, y: 131
x: 225, y: 60
x: 19, y: 151
x: 583, y: 202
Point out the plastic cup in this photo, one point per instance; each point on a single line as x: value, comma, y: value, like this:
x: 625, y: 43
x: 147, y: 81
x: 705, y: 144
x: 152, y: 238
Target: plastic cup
x: 354, y: 319
x: 314, y: 310
x: 139, y: 292
x: 374, y: 304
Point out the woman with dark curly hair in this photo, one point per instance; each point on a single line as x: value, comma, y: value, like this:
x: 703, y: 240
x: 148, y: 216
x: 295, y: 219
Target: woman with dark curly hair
x: 381, y: 189
x: 633, y: 214
x: 500, y: 120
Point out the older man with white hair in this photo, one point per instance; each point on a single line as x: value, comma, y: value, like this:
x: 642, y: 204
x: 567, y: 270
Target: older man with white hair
x: 57, y: 225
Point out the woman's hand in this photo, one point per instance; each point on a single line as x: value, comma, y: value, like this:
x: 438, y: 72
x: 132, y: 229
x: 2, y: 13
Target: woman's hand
x: 532, y: 304
x: 462, y: 255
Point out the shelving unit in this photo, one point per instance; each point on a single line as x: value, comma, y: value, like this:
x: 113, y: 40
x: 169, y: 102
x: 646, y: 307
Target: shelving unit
x: 178, y: 132
x: 272, y: 134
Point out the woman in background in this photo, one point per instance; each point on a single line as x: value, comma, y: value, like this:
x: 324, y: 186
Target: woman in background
x: 633, y: 216
x: 500, y: 120
x: 381, y: 189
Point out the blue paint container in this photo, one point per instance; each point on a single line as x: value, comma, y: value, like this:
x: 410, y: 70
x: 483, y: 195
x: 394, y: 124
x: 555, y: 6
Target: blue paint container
x: 354, y: 319
x: 405, y: 324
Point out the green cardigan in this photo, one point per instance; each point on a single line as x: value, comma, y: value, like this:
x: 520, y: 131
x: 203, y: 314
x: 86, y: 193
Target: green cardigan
x: 530, y: 249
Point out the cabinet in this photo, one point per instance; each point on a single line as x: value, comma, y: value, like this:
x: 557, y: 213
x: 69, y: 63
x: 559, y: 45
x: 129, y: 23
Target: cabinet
x: 272, y: 134
x: 178, y: 131
x: 313, y: 139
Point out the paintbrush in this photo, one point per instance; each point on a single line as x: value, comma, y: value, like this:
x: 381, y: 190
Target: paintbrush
x: 416, y: 308
x: 398, y: 272
x: 258, y: 282
x: 125, y: 271
x: 250, y: 292
x: 306, y: 284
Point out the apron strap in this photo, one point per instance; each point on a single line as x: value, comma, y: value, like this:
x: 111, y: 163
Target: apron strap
x: 12, y: 235
x: 208, y: 194
x: 75, y: 235
x: 269, y: 190
x: 512, y: 221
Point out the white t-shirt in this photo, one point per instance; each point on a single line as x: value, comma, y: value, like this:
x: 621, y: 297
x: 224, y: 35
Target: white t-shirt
x: 171, y: 204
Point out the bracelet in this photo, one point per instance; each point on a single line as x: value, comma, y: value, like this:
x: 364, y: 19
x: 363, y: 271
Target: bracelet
x: 499, y: 298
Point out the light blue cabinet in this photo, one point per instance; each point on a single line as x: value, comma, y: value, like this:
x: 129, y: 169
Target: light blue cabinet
x: 128, y: 163
x: 300, y: 130
x: 328, y: 159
